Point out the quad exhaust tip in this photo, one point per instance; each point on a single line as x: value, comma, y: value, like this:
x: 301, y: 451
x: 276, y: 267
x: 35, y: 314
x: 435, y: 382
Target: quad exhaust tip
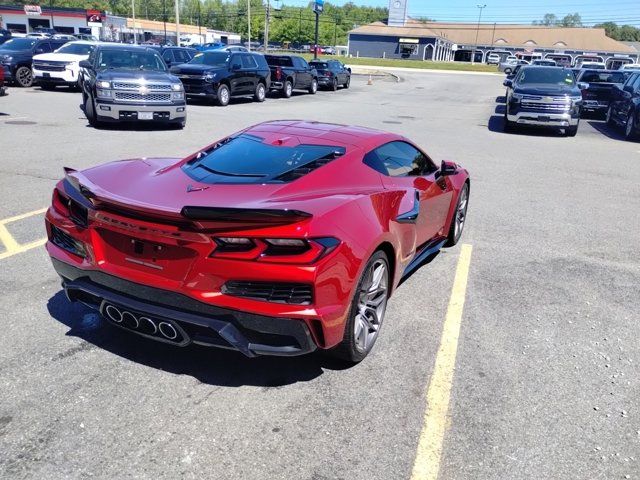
x: 141, y: 324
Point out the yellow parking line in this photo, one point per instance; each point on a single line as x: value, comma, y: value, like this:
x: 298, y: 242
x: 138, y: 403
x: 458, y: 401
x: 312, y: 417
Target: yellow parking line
x: 429, y: 454
x: 12, y: 247
x: 22, y: 216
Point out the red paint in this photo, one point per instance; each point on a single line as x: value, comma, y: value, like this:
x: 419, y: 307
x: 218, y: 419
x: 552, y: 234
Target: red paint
x: 347, y: 199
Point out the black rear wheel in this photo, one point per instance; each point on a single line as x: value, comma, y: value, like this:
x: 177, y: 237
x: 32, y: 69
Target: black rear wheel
x: 367, y: 311
x: 334, y: 86
x: 459, y: 217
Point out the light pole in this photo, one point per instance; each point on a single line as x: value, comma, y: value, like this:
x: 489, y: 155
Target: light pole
x: 473, y: 54
x: 133, y: 14
x: 249, y: 24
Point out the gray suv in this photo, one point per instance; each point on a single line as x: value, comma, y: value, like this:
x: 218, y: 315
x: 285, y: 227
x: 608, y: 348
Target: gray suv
x: 125, y: 83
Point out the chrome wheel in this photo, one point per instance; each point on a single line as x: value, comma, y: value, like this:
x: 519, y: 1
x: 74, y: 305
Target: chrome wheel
x: 461, y: 212
x: 630, y: 126
x: 372, y: 303
x: 609, y: 116
x: 288, y: 89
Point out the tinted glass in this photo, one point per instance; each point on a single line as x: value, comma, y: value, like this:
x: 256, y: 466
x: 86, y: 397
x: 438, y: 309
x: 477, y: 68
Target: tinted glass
x: 44, y: 47
x: 596, y: 77
x: 248, y: 62
x: 76, y: 49
x: 278, y: 60
x: 398, y: 159
x: 181, y: 56
x: 245, y: 159
x: 130, y: 60
x: 168, y: 56
x: 211, y: 58
x: 319, y: 65
x: 556, y: 76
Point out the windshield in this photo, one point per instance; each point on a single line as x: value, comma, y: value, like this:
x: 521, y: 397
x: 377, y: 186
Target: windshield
x: 552, y: 75
x: 279, y: 61
x: 246, y: 159
x: 130, y: 60
x: 19, y: 44
x: 76, y: 49
x: 211, y: 58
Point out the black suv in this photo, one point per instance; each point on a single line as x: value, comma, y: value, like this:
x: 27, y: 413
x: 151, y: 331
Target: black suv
x: 124, y: 83
x: 4, y: 35
x: 544, y: 97
x: 332, y: 73
x: 624, y: 107
x: 16, y: 56
x: 289, y: 72
x: 219, y: 75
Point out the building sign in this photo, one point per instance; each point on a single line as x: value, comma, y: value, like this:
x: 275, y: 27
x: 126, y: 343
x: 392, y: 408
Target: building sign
x: 94, y: 18
x: 32, y: 10
x: 409, y: 40
x: 318, y: 6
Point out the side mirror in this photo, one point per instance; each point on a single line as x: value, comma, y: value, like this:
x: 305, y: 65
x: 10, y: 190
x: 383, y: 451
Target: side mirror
x: 85, y: 64
x: 508, y: 83
x: 235, y: 67
x: 448, y: 168
x: 583, y: 86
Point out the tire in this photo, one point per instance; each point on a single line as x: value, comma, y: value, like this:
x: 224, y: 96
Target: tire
x: 287, y: 89
x: 346, y: 84
x: 90, y: 112
x: 334, y: 86
x: 630, y: 133
x: 24, y: 77
x: 47, y: 86
x: 509, y: 126
x: 223, y: 95
x: 609, y: 117
x: 361, y: 332
x: 261, y: 93
x: 459, y: 217
x: 179, y: 125
x: 314, y: 86
x: 571, y: 131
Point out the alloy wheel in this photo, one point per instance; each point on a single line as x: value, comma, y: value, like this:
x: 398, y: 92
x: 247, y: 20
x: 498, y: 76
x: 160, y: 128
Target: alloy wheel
x: 630, y: 126
x: 372, y: 303
x: 461, y: 212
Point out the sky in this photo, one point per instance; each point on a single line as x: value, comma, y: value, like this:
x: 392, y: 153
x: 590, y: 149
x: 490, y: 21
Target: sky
x: 510, y: 11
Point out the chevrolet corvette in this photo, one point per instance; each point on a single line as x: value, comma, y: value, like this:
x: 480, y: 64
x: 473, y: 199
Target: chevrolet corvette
x: 284, y: 238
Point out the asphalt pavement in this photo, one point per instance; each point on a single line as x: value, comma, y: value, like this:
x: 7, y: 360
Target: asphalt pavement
x: 546, y: 382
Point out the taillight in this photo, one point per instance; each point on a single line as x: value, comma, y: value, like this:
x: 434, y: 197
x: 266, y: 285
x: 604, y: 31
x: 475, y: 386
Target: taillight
x: 328, y: 74
x: 278, y: 73
x: 60, y: 203
x: 274, y: 250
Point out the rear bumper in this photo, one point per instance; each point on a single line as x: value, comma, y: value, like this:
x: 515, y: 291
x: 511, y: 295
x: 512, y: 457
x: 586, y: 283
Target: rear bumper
x: 595, y: 106
x: 194, y: 321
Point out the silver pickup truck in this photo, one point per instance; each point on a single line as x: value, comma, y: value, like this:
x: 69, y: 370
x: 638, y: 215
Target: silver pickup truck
x: 125, y: 83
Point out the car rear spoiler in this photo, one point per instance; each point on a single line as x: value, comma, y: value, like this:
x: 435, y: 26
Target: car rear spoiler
x: 244, y: 215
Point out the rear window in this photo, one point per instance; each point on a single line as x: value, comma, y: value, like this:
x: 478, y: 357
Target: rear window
x: 319, y: 65
x: 596, y: 77
x: 246, y: 159
x: 278, y: 61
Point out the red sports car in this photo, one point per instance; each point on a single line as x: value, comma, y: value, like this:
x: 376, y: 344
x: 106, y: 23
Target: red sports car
x: 281, y: 239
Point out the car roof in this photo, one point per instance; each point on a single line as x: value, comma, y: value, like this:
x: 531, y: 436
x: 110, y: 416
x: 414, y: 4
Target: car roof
x: 119, y: 46
x: 322, y: 133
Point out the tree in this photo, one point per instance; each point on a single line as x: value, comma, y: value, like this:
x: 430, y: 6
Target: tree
x: 624, y: 33
x: 571, y: 20
x: 548, y: 20
x: 611, y: 29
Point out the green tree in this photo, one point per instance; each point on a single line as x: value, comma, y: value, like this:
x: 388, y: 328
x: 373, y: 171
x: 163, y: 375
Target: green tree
x: 571, y: 20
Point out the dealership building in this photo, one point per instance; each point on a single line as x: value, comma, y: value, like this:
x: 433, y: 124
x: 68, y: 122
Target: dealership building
x: 407, y: 38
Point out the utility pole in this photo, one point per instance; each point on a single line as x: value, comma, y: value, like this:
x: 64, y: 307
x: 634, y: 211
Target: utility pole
x: 249, y: 23
x: 335, y: 32
x: 475, y: 46
x: 177, y: 22
x: 164, y: 19
x: 318, y: 6
x: 133, y: 14
x: 300, y: 28
x: 51, y: 9
x: 267, y: 18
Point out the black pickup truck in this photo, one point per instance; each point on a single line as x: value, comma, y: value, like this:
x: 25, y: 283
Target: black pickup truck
x: 290, y: 72
x: 596, y: 98
x: 546, y: 97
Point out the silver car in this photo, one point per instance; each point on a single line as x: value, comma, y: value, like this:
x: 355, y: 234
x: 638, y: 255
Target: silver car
x: 508, y: 65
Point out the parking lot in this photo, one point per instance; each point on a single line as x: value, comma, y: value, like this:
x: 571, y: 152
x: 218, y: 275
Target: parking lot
x: 545, y: 384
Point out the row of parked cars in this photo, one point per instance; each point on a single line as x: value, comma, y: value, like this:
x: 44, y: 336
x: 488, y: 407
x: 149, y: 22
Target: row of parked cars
x: 130, y: 83
x: 557, y: 97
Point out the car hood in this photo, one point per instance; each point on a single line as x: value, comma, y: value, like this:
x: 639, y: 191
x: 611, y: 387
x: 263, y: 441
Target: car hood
x: 125, y: 74
x: 194, y: 69
x: 14, y: 53
x: 60, y: 57
x: 546, y: 89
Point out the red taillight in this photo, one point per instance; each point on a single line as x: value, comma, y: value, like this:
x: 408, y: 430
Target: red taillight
x: 60, y: 203
x: 328, y: 74
x: 274, y: 250
x: 278, y: 73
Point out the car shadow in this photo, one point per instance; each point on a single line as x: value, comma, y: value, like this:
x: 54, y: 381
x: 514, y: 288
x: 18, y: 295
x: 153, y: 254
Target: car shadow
x: 501, y: 99
x: 496, y: 125
x: 424, y: 262
x: 611, y: 132
x: 213, y: 103
x: 211, y: 366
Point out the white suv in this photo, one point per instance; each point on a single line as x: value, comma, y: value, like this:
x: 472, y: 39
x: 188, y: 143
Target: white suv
x: 62, y: 66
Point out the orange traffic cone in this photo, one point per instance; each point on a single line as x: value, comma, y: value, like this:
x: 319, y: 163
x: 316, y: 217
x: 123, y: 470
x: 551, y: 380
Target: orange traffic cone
x: 370, y: 81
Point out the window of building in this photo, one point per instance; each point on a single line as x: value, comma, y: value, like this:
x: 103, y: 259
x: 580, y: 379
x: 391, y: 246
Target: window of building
x: 17, y: 27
